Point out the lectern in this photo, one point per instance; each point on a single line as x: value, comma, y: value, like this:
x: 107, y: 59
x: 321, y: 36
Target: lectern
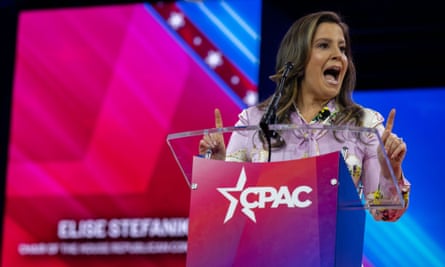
x: 305, y: 211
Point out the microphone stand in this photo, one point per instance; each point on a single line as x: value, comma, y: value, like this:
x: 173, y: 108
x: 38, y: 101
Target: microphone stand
x: 270, y: 116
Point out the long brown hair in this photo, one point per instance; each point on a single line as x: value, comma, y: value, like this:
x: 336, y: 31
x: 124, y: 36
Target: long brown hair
x: 295, y: 47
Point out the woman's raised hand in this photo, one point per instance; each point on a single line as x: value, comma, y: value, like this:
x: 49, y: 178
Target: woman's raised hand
x: 213, y: 144
x: 395, y: 147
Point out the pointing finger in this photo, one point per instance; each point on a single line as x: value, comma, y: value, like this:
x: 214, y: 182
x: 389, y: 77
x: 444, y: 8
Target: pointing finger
x: 390, y: 122
x: 218, y: 119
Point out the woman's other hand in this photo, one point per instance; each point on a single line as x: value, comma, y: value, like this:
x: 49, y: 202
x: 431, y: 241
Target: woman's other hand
x: 395, y: 147
x: 213, y: 144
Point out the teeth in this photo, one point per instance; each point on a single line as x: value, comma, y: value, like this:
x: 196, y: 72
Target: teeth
x: 335, y: 68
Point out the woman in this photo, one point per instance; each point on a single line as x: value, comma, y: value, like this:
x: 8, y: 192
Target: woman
x: 317, y: 91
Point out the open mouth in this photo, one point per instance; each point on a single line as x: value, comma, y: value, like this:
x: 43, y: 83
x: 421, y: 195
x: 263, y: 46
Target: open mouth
x: 331, y: 74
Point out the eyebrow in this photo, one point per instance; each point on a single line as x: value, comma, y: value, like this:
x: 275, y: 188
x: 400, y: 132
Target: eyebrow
x: 329, y: 40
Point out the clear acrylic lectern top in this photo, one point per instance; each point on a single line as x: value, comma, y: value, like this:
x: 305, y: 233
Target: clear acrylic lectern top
x: 185, y: 146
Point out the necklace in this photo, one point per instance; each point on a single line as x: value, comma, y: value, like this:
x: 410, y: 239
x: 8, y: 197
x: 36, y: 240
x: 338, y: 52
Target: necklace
x: 322, y: 115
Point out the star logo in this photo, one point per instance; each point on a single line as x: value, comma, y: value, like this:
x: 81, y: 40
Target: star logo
x: 226, y: 192
x: 233, y: 201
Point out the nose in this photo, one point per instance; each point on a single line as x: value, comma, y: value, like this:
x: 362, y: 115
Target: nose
x: 338, y: 53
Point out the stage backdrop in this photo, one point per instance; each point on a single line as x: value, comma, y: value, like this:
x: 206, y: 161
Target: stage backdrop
x: 90, y: 179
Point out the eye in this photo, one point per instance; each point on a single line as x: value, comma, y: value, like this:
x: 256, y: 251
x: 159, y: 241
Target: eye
x: 323, y: 45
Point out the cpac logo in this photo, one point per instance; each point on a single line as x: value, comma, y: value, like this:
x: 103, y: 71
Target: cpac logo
x: 262, y: 196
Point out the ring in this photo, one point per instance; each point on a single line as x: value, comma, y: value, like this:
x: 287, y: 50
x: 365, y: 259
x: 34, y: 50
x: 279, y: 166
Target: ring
x: 208, y: 153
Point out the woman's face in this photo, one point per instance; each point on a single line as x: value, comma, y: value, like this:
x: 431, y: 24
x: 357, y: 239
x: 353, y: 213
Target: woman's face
x: 327, y: 64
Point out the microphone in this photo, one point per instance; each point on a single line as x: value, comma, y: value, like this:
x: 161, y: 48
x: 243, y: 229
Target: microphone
x: 270, y: 116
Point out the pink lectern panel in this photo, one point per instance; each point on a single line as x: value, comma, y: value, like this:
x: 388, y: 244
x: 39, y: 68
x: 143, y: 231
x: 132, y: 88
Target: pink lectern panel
x: 263, y: 214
